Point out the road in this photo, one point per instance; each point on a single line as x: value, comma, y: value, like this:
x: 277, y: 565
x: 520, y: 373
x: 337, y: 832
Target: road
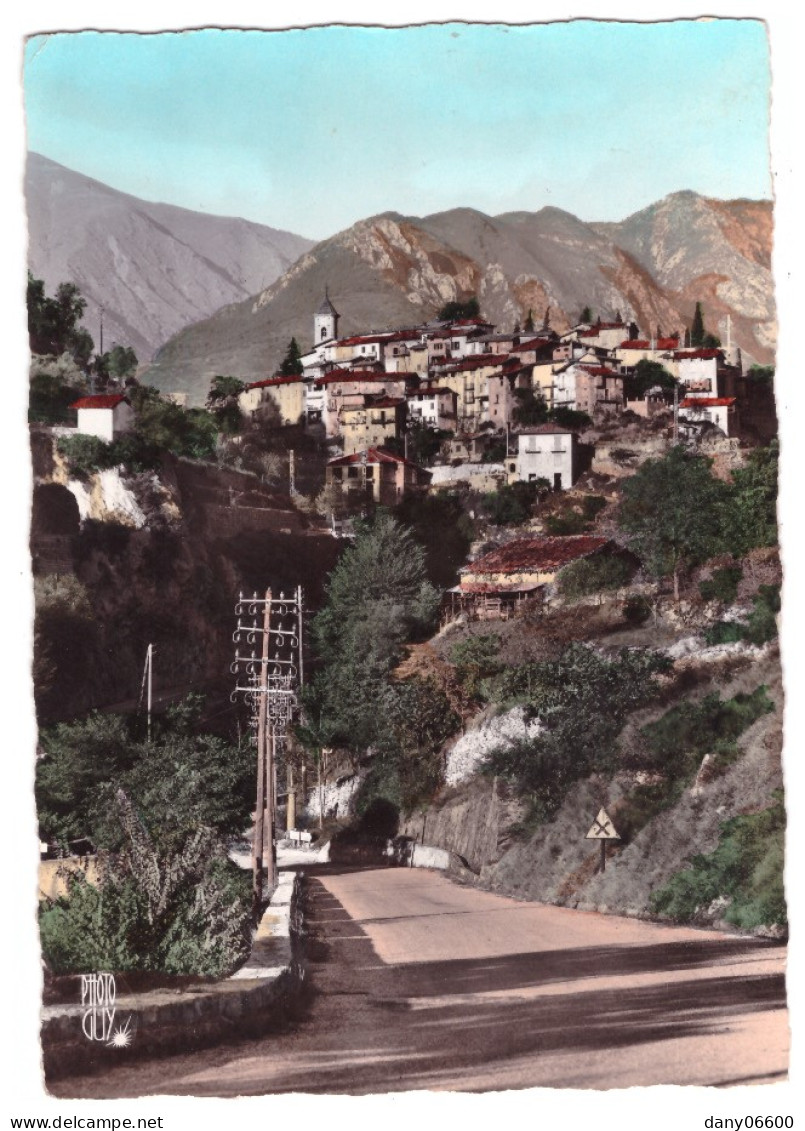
x: 417, y: 982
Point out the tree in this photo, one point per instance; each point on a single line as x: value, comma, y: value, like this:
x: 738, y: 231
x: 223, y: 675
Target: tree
x: 697, y: 327
x: 647, y: 375
x: 531, y: 407
x: 752, y: 513
x: 377, y: 598
x: 451, y: 311
x: 586, y: 315
x: 122, y: 362
x: 291, y: 365
x: 529, y: 322
x: 53, y: 322
x: 673, y: 509
x: 222, y: 402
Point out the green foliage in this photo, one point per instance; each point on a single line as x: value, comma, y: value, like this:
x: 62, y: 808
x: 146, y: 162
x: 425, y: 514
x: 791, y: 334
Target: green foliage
x: 761, y: 374
x: 453, y: 311
x: 203, y: 928
x: 591, y: 575
x: 747, y: 868
x: 425, y: 443
x: 192, y: 433
x: 50, y: 398
x: 531, y: 408
x: 697, y: 327
x: 673, y: 509
x: 475, y: 659
x: 377, y: 598
x: 291, y: 365
x: 222, y: 402
x: 586, y: 315
x: 122, y: 362
x: 723, y: 585
x: 442, y: 526
x: 511, y: 504
x: 53, y: 322
x: 752, y: 514
x: 177, y: 783
x: 569, y: 417
x: 85, y: 454
x: 417, y: 721
x: 676, y: 744
x: 582, y: 700
x: 760, y: 626
x: 528, y: 325
x: 647, y: 375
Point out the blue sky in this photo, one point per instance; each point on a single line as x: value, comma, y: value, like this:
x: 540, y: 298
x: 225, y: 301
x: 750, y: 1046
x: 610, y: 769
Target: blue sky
x: 313, y: 129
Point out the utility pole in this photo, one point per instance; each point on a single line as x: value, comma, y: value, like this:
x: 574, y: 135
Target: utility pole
x: 147, y: 687
x: 274, y: 681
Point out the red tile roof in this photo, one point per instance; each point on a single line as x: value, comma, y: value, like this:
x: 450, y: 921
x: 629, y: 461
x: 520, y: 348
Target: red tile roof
x: 599, y: 371
x: 703, y: 355
x: 359, y: 376
x: 271, y: 381
x: 535, y: 344
x: 373, y: 455
x: 477, y: 361
x: 535, y: 555
x: 101, y: 400
x: 707, y: 402
x: 644, y: 344
x: 546, y: 430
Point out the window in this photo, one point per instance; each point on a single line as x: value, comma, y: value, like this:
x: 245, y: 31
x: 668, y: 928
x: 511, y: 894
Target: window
x: 352, y: 472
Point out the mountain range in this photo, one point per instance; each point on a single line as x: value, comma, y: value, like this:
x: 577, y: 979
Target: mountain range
x: 153, y: 267
x: 392, y: 270
x: 223, y: 296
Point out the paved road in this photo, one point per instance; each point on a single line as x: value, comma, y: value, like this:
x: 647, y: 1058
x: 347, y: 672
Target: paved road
x: 420, y: 983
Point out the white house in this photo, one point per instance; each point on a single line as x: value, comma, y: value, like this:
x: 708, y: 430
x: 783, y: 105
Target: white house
x: 546, y: 451
x: 721, y: 411
x: 106, y: 415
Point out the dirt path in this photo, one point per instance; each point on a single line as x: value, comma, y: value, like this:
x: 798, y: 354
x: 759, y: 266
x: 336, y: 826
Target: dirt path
x: 419, y: 983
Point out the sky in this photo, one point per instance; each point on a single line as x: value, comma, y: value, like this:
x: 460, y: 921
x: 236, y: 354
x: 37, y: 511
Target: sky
x: 313, y: 129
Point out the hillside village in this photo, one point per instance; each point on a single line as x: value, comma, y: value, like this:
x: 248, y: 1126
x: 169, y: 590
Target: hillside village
x: 566, y: 543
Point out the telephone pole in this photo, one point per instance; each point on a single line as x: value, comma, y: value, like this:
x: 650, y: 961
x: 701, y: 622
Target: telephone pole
x: 272, y: 690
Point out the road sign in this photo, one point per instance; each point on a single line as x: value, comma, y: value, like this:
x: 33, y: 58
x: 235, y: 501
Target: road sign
x: 602, y: 828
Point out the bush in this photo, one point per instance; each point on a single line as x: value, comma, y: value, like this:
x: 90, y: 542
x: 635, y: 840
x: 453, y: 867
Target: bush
x: 760, y: 626
x: 591, y: 575
x: 747, y: 868
x: 722, y: 586
x: 204, y: 930
x: 511, y: 504
x: 86, y: 454
x: 475, y: 659
x: 582, y: 699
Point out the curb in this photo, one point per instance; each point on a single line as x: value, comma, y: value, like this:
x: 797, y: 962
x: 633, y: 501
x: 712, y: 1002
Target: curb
x: 253, y: 1000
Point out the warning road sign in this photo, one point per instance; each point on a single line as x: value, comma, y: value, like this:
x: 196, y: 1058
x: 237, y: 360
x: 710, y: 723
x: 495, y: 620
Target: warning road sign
x: 602, y: 828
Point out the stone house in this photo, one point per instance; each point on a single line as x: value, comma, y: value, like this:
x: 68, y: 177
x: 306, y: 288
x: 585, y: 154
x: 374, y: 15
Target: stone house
x: 287, y: 394
x: 370, y: 421
x: 374, y: 475
x: 546, y: 451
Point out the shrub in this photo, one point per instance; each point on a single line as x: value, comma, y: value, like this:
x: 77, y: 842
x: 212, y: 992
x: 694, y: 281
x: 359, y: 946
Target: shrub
x: 722, y: 586
x: 86, y: 454
x: 476, y: 658
x: 591, y: 575
x: 746, y: 868
x: 760, y: 626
